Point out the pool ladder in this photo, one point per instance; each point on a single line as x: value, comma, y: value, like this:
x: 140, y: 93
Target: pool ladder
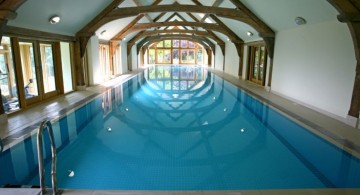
x: 46, y: 124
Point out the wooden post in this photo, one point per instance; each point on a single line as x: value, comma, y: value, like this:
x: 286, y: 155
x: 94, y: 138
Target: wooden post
x: 350, y: 14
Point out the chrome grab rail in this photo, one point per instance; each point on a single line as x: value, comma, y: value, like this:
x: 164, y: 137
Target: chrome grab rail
x: 46, y: 124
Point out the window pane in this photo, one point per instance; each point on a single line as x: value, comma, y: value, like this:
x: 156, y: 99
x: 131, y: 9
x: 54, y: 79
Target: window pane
x: 167, y: 43
x: 9, y: 92
x: 167, y: 55
x: 184, y: 56
x: 160, y: 44
x: 191, y: 44
x: 199, y: 57
x: 152, y: 56
x: 160, y: 56
x: 175, y: 43
x: 184, y: 43
x: 175, y: 56
x: 28, y: 68
x: 48, y: 70
x: 191, y: 58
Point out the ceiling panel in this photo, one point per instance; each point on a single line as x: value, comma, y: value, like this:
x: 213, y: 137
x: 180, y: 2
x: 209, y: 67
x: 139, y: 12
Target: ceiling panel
x: 112, y: 28
x: 35, y: 14
x: 280, y: 14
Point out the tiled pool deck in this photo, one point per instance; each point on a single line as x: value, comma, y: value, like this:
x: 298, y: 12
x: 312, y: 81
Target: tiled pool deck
x: 22, y: 123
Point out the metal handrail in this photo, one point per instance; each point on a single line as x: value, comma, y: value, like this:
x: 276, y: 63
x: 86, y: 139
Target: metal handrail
x: 46, y: 124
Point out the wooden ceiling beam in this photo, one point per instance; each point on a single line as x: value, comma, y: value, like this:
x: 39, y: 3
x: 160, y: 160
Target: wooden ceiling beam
x: 350, y: 13
x: 214, y: 27
x: 215, y: 4
x: 120, y: 35
x: 137, y: 2
x: 221, y: 12
x: 96, y: 22
x: 219, y: 41
x: 133, y: 40
x: 170, y: 31
x: 257, y: 23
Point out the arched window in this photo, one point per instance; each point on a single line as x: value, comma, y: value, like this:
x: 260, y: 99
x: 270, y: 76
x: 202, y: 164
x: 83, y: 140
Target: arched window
x: 175, y: 52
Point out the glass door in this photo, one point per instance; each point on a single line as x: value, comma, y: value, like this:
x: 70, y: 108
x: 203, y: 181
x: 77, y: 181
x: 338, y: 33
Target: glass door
x: 257, y: 64
x: 38, y: 70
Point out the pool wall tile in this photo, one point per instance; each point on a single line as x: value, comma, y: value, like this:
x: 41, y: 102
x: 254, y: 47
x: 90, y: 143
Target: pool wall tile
x: 71, y: 124
x: 318, y: 153
x: 19, y: 159
x: 64, y: 131
x: 19, y: 164
x: 7, y: 173
x: 57, y: 134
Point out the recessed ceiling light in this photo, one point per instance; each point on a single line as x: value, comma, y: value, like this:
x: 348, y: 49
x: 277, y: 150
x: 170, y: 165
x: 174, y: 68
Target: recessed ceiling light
x: 54, y: 19
x: 103, y: 32
x: 249, y: 33
x: 300, y: 21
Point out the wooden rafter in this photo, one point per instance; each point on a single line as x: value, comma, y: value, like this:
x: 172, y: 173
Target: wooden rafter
x: 214, y: 27
x: 172, y: 16
x: 215, y: 4
x: 222, y: 12
x: 165, y: 32
x: 220, y: 42
x: 96, y: 23
x: 135, y: 38
x: 120, y: 35
x: 137, y: 2
x: 236, y: 39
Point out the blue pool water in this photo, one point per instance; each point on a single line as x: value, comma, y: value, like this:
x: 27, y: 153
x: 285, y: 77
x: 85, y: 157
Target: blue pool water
x: 183, y: 128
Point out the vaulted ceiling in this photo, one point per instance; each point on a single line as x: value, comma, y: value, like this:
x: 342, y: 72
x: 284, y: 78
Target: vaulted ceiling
x: 215, y: 20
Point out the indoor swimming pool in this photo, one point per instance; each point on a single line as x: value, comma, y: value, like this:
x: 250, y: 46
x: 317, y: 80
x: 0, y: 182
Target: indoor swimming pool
x: 182, y: 128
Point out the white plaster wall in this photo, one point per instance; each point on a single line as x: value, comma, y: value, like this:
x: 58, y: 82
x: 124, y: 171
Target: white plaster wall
x: 218, y: 58
x: 123, y: 51
x: 315, y: 65
x: 231, y: 59
x: 134, y: 58
x: 95, y: 75
x: 245, y: 62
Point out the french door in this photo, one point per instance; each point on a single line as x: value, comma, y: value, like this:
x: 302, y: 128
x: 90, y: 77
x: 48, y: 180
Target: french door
x: 38, y: 70
x: 257, y: 64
